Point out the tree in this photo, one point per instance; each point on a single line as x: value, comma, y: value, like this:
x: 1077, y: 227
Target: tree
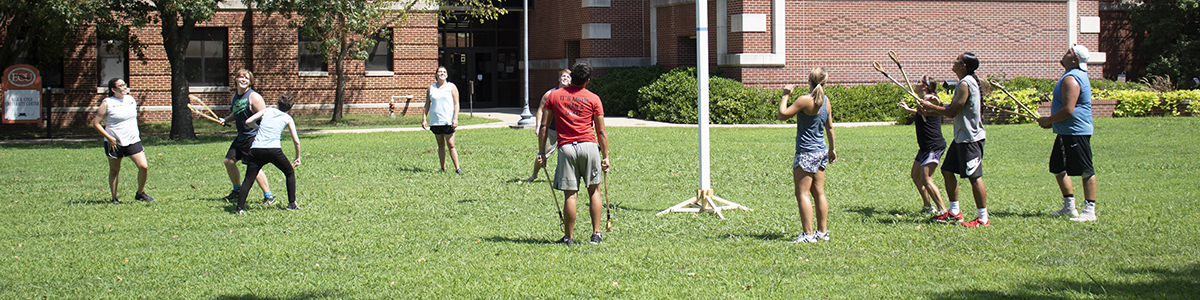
x: 45, y: 29
x: 1172, y: 39
x: 176, y: 18
x: 346, y: 28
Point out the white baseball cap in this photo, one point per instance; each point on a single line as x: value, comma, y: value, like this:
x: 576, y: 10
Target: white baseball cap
x: 1082, y: 53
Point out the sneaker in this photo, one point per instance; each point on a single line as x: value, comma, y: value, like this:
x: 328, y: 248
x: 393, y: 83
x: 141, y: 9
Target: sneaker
x: 947, y: 217
x: 566, y: 241
x: 232, y: 196
x: 823, y: 235
x: 143, y: 197
x: 805, y: 238
x: 268, y: 200
x: 459, y: 171
x: 292, y: 206
x: 928, y: 210
x: 240, y: 211
x: 976, y: 223
x: 1067, y: 210
x: 1088, y: 213
x: 596, y: 238
x: 115, y: 201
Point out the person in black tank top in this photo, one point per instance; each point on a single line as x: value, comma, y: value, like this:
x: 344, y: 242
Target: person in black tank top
x: 245, y: 103
x: 931, y: 146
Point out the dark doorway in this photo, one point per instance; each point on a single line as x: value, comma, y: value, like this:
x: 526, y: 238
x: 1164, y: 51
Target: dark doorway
x: 482, y: 60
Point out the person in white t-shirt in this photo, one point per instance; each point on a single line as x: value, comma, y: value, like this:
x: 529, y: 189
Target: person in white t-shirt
x: 116, y: 120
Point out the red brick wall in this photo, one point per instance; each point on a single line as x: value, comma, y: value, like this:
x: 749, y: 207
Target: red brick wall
x: 275, y: 66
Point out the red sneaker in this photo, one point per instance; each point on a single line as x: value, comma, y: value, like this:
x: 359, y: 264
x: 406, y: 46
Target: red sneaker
x: 976, y: 223
x: 946, y: 217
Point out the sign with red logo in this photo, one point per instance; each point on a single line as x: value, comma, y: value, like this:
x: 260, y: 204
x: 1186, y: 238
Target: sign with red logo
x: 22, y: 87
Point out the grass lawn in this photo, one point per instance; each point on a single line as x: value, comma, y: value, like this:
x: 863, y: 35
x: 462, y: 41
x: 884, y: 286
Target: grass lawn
x: 380, y: 222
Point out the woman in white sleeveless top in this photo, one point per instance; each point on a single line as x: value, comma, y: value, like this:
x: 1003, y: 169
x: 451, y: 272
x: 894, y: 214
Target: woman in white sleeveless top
x: 116, y: 120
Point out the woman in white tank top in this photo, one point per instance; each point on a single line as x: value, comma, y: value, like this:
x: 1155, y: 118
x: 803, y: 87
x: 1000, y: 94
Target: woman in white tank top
x: 116, y: 120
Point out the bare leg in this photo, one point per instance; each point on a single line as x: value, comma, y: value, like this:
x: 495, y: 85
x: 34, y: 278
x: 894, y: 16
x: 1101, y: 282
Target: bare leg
x: 951, y: 186
x: 979, y: 191
x: 918, y: 179
x: 818, y: 193
x: 569, y: 213
x: 441, y: 141
x: 114, y: 170
x: 232, y: 168
x: 453, y: 152
x: 536, y: 167
x: 1089, y: 188
x: 143, y: 166
x: 1064, y: 184
x: 803, y: 182
x: 261, y: 179
x: 931, y: 189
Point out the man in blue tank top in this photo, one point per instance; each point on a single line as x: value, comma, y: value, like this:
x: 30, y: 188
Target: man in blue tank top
x: 1071, y: 120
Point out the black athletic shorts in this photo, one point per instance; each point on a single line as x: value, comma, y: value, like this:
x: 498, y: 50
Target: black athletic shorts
x: 1072, y: 154
x: 442, y: 129
x: 964, y: 159
x: 130, y: 150
x: 239, y: 150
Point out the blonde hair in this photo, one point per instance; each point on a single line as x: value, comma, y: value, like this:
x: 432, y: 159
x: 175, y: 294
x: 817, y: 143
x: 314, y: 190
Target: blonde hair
x: 564, y: 71
x: 816, y: 85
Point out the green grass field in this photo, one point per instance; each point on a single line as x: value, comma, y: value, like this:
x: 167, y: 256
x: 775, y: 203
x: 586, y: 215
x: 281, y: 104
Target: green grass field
x: 380, y: 222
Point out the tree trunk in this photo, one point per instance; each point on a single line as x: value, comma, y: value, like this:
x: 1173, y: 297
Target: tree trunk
x: 175, y: 40
x: 339, y: 97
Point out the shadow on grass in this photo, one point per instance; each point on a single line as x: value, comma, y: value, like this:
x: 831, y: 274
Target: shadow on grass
x: 1020, y: 214
x: 531, y: 241
x: 308, y: 295
x: 1166, y: 284
x: 411, y: 169
x: 766, y: 236
x: 93, y: 202
x: 889, y: 216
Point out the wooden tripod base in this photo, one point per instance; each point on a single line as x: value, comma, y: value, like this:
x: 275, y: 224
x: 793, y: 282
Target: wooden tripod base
x: 704, y: 202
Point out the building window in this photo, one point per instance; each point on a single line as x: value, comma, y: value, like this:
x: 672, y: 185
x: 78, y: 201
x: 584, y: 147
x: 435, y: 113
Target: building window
x: 310, y: 57
x: 379, y: 58
x: 206, y: 57
x: 110, y: 62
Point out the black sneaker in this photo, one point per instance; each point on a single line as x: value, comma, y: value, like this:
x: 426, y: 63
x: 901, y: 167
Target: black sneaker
x: 459, y: 171
x: 292, y: 206
x: 143, y: 197
x: 268, y: 200
x: 595, y: 238
x: 566, y: 241
x: 115, y: 201
x: 232, y: 196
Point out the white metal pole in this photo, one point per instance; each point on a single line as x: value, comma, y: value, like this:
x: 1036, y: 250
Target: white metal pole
x: 526, y: 116
x: 1072, y: 19
x: 702, y: 85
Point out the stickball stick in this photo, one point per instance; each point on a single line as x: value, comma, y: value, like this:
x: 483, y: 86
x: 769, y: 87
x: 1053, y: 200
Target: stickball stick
x: 553, y: 198
x: 993, y: 106
x: 885, y: 74
x: 607, y: 205
x: 207, y: 113
x: 1014, y: 98
x: 907, y: 84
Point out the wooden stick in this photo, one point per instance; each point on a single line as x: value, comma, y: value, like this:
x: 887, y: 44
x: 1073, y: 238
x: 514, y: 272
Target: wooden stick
x: 993, y: 106
x: 553, y: 198
x: 885, y: 74
x: 908, y: 84
x: 209, y: 115
x: 1010, y: 96
x: 607, y: 205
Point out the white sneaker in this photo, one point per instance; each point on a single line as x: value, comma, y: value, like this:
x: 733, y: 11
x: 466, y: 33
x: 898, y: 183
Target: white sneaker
x: 805, y: 238
x: 822, y: 235
x: 1067, y: 210
x: 1088, y: 213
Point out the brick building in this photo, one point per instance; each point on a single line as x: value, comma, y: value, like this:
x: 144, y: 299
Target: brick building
x: 759, y: 42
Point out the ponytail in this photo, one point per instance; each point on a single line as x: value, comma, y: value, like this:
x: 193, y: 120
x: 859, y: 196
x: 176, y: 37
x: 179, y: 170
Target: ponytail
x: 816, y: 84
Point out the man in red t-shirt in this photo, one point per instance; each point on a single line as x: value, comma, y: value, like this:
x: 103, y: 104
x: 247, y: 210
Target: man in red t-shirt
x: 582, y: 146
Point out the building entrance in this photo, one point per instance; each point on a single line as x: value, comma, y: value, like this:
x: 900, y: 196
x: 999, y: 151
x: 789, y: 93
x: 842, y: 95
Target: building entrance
x: 482, y: 60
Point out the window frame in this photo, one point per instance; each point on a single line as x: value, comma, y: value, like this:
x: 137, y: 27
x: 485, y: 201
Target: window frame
x: 208, y: 34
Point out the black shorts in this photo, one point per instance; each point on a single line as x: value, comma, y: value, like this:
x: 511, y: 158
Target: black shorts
x: 123, y: 151
x: 1072, y: 154
x: 442, y: 129
x: 964, y: 159
x: 239, y: 150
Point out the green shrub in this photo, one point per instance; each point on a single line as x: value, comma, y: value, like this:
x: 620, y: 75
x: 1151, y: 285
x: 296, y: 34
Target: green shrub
x: 672, y: 98
x: 1130, y: 103
x: 1105, y: 84
x: 618, y: 88
x: 868, y: 103
x: 1041, y: 85
x: 1030, y: 97
x: 1172, y: 100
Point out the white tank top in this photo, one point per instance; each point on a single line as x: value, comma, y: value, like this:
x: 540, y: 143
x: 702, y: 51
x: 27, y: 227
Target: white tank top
x: 121, y: 121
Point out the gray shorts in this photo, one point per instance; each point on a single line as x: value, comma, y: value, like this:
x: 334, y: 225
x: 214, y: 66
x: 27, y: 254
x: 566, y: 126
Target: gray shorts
x: 552, y: 141
x: 812, y: 162
x: 577, y: 160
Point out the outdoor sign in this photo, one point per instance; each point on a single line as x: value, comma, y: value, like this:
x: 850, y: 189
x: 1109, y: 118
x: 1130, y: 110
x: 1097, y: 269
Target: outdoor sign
x: 22, y: 87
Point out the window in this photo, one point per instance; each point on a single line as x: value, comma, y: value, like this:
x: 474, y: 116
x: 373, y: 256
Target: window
x: 379, y: 58
x: 110, y: 63
x: 310, y: 60
x: 206, y: 57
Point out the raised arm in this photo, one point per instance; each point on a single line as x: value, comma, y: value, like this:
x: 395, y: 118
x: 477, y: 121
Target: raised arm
x: 961, y: 92
x: 787, y: 111
x: 250, y: 121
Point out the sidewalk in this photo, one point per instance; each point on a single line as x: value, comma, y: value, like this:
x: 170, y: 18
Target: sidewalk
x: 508, y: 116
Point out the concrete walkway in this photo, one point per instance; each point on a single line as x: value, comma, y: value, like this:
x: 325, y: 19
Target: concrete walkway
x: 508, y: 116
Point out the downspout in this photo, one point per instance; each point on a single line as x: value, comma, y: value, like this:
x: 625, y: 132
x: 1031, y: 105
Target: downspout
x: 1072, y: 22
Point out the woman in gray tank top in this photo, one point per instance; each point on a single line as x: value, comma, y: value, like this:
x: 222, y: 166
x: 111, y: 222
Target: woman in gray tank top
x: 812, y: 153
